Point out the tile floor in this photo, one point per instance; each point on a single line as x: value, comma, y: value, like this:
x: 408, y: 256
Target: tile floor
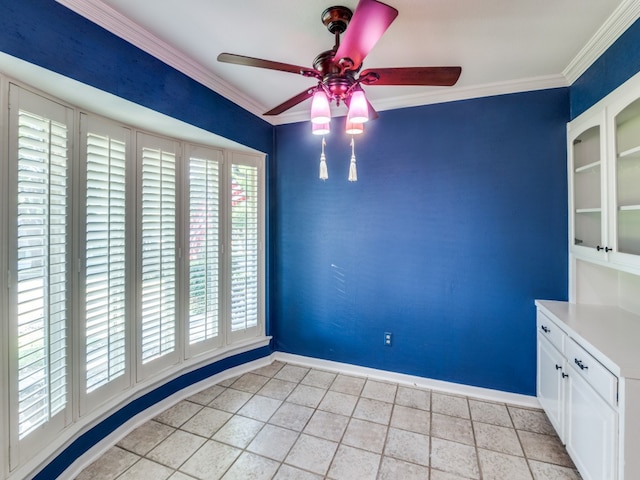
x: 286, y: 422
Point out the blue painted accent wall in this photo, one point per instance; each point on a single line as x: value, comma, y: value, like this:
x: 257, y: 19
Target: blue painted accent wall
x: 616, y: 65
x: 47, y: 34
x: 457, y: 223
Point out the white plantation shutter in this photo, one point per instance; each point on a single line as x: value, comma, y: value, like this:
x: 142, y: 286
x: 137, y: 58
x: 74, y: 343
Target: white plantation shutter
x: 105, y: 249
x: 39, y: 138
x: 204, y: 245
x: 246, y: 236
x: 158, y: 303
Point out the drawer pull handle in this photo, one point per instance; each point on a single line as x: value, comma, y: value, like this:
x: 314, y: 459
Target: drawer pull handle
x: 581, y: 365
x: 565, y: 375
x: 558, y: 367
x: 545, y: 329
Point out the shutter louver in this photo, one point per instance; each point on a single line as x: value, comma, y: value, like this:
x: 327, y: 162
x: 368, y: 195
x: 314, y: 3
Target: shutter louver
x: 204, y: 262
x: 244, y: 247
x: 105, y: 260
x: 42, y: 272
x: 158, y: 297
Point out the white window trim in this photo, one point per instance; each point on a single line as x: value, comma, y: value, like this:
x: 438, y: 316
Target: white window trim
x: 32, y: 459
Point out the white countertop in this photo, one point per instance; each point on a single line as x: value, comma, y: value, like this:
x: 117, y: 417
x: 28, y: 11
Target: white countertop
x: 612, y: 333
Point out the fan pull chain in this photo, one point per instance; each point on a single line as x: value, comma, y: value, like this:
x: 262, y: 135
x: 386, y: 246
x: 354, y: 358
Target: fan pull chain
x: 353, y: 173
x: 324, y: 173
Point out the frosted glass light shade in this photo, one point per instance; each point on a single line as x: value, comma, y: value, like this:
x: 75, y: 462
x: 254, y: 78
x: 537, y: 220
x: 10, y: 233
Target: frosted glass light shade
x: 354, y: 128
x: 320, y: 128
x: 358, y: 108
x: 320, y: 112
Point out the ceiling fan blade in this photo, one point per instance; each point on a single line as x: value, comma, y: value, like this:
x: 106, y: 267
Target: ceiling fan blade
x: 428, y: 76
x: 292, y: 102
x: 268, y: 64
x: 369, y: 22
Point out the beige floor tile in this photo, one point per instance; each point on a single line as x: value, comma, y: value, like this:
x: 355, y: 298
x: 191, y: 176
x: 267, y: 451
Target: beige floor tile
x: 452, y: 428
x: 385, y: 392
x: 292, y: 416
x: 239, y: 431
x: 373, y: 411
x: 365, y: 435
x: 531, y: 420
x: 456, y: 458
x: 145, y: 437
x: 180, y: 476
x: 348, y: 384
x: 287, y: 472
x: 340, y: 403
x: 350, y: 463
x: 498, y: 466
x: 440, y: 475
x: 269, y: 370
x: 249, y: 382
x: 211, y: 461
x: 545, y: 448
x: 547, y: 471
x: 493, y: 413
x: 450, y: 405
x: 252, y: 467
x: 147, y: 470
x: 292, y: 373
x: 278, y: 389
x: 327, y: 425
x: 176, y: 448
x: 499, y: 439
x: 260, y: 408
x: 410, y: 419
x: 319, y: 378
x: 312, y: 454
x: 408, y: 446
x: 394, y: 469
x: 179, y: 413
x: 307, y: 395
x: 110, y: 465
x: 227, y: 382
x: 414, y: 398
x: 273, y: 442
x: 206, y: 422
x: 230, y: 400
x: 206, y: 396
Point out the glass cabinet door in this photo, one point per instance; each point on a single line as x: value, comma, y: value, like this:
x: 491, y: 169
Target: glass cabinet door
x: 627, y: 174
x: 587, y: 189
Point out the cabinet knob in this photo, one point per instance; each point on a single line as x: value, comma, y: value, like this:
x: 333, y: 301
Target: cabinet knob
x: 607, y: 249
x: 580, y: 364
x: 545, y: 329
x: 598, y: 248
x: 565, y: 375
x: 558, y: 367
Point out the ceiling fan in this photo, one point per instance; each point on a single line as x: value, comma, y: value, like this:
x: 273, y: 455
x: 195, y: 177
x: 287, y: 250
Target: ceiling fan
x: 338, y: 70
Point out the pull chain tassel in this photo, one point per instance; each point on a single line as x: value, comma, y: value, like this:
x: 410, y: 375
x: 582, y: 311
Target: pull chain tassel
x: 353, y: 173
x: 324, y: 173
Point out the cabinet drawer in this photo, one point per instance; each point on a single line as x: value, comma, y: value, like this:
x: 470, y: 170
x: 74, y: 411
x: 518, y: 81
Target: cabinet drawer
x: 551, y: 331
x: 602, y: 380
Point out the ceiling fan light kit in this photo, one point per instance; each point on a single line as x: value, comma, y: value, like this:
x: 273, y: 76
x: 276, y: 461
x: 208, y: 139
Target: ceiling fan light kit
x: 336, y: 71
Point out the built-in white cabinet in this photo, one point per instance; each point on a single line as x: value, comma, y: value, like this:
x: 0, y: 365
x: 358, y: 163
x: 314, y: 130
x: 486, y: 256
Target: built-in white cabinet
x: 604, y: 179
x: 589, y: 385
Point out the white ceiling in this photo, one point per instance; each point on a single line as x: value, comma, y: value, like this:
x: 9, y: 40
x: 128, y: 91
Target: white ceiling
x: 502, y: 46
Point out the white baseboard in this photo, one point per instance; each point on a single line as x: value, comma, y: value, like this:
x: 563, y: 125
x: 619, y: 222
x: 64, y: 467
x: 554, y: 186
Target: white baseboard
x: 411, y: 380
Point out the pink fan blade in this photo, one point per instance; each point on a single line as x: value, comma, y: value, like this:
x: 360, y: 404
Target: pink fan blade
x: 370, y: 20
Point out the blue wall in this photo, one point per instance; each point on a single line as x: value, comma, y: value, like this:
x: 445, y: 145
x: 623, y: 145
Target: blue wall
x: 615, y: 66
x: 457, y: 223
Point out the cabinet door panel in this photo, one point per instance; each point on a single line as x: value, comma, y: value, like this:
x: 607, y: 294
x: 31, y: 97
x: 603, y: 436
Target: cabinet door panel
x: 591, y: 430
x: 550, y: 383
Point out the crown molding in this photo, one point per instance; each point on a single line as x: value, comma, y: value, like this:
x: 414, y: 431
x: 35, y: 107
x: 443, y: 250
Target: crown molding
x: 622, y: 18
x: 113, y: 21
x: 116, y: 23
x: 447, y: 95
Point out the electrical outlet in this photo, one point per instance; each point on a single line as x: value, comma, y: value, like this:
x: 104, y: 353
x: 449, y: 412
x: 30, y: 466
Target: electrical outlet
x: 387, y: 339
